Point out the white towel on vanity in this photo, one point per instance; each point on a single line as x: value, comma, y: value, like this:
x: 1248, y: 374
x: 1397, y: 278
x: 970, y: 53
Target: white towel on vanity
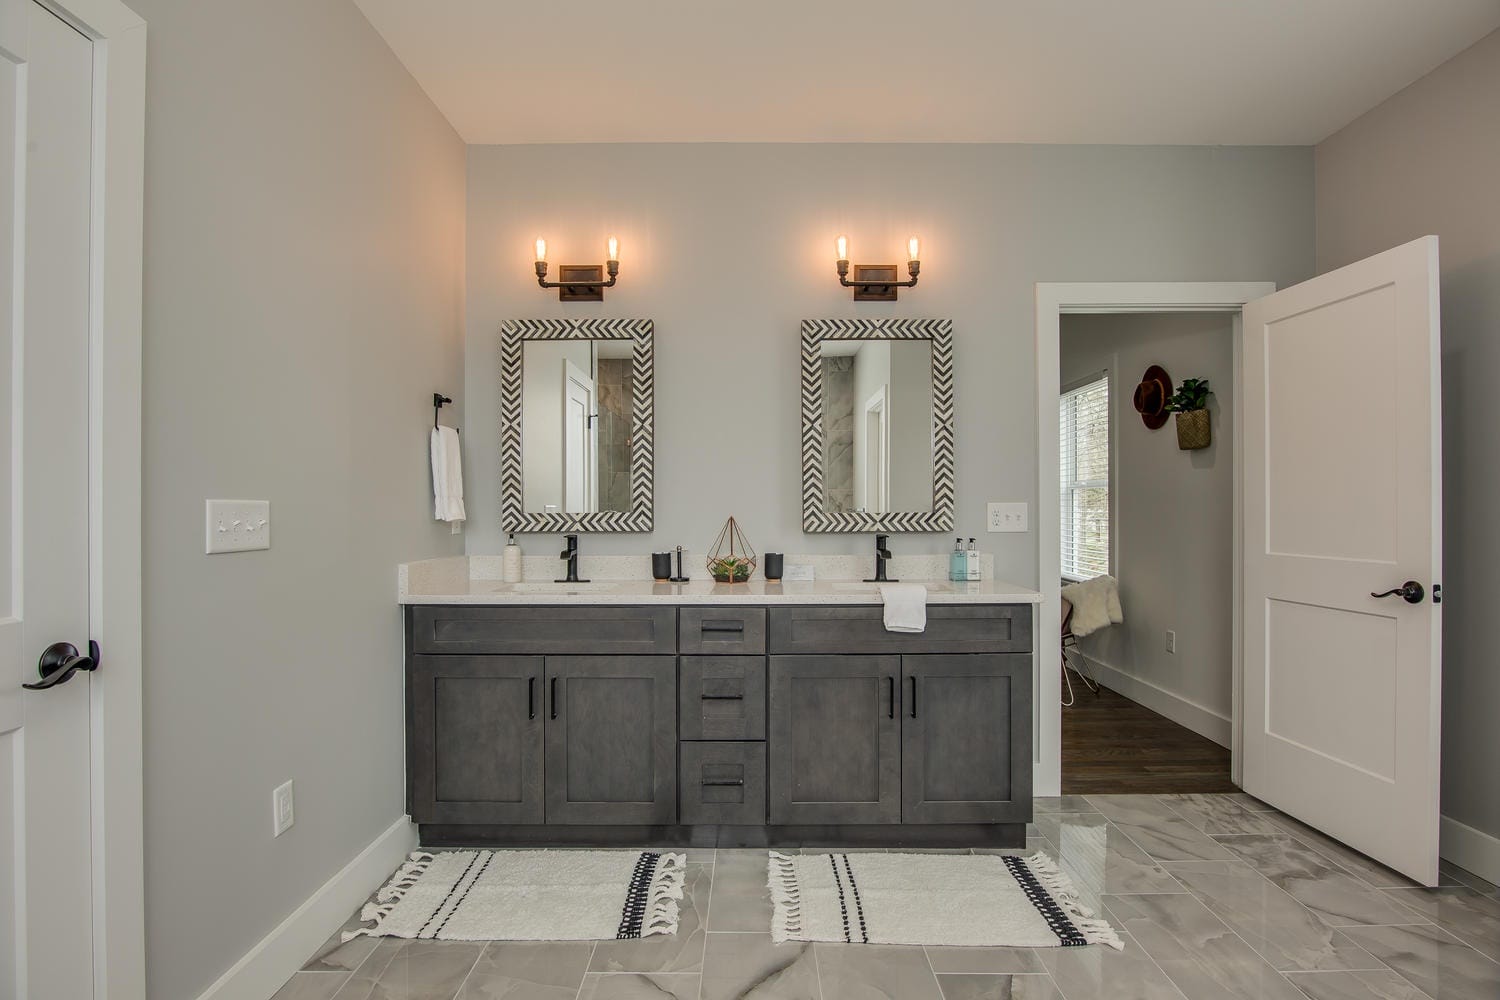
x: 447, y: 476
x: 905, y: 607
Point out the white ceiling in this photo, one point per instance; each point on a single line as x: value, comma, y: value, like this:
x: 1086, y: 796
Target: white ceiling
x: 1072, y: 71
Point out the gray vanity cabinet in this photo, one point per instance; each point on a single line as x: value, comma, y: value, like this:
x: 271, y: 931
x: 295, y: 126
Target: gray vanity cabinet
x: 611, y: 739
x: 966, y: 738
x: 834, y: 740
x: 474, y: 739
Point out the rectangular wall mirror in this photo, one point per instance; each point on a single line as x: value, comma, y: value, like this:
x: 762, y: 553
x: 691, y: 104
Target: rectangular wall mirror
x: 877, y: 425
x: 577, y: 425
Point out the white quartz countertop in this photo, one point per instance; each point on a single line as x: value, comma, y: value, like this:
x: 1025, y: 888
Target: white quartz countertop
x: 448, y: 581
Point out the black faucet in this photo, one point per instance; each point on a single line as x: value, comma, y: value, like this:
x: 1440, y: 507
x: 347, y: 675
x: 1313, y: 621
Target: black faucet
x: 881, y: 555
x: 571, y: 555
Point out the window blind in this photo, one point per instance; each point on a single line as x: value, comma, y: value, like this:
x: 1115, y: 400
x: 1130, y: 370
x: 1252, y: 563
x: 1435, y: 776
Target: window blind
x: 1084, y: 420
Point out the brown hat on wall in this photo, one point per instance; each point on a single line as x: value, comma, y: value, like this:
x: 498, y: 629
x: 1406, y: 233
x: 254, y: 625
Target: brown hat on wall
x: 1151, y: 397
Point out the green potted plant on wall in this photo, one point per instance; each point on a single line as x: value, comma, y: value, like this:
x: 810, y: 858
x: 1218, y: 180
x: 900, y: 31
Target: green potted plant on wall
x: 1190, y: 404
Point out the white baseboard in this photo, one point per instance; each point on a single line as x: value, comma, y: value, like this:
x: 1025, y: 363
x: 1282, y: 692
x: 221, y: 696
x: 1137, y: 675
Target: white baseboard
x: 1472, y: 850
x: 265, y: 968
x: 1188, y: 714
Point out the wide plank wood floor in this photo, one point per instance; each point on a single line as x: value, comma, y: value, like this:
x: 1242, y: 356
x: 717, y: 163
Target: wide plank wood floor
x: 1111, y: 745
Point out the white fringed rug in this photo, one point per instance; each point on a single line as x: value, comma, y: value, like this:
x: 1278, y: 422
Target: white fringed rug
x: 529, y: 896
x: 931, y: 899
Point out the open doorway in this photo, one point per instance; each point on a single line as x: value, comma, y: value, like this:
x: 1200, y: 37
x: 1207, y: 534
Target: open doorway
x: 1147, y: 554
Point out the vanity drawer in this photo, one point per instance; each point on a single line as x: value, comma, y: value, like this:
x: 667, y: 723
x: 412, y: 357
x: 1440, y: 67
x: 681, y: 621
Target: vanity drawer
x: 723, y: 783
x: 722, y: 698
x: 951, y: 628
x: 721, y: 630
x: 542, y: 630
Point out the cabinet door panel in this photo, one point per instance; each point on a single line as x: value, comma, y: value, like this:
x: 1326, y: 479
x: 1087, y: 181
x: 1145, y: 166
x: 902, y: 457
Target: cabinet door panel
x: 966, y: 739
x: 834, y: 739
x: 611, y: 739
x: 475, y: 740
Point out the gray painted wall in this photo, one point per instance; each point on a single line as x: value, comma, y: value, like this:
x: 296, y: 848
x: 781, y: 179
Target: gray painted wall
x: 304, y: 295
x: 1426, y: 161
x: 1173, y: 515
x: 728, y: 247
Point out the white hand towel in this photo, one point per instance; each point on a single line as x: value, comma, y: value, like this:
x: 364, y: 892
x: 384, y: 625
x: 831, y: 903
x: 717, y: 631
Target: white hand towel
x: 905, y: 607
x: 447, y: 476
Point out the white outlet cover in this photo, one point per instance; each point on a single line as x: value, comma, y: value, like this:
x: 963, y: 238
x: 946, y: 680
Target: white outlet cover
x: 1171, y: 641
x: 236, y: 525
x: 1007, y: 517
x: 282, y: 815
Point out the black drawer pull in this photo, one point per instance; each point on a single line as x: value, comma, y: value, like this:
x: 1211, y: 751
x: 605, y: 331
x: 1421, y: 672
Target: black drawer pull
x: 726, y: 783
x: 723, y: 626
x: 531, y: 698
x: 723, y: 697
x: 554, y: 697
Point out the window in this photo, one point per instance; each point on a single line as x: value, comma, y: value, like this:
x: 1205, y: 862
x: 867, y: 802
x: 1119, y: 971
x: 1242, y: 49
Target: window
x: 1084, y: 417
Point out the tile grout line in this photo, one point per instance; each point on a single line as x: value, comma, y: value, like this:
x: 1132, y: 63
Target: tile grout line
x: 465, y: 981
x: 587, y: 964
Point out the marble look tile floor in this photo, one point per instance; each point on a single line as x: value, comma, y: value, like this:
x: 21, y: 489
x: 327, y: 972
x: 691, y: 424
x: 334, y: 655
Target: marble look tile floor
x: 1217, y: 897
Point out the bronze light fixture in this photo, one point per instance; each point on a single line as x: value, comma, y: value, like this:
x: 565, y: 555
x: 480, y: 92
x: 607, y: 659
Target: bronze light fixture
x: 579, y: 282
x: 877, y: 282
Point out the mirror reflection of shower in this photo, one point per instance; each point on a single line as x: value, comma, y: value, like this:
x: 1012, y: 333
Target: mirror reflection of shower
x: 575, y: 425
x: 877, y: 425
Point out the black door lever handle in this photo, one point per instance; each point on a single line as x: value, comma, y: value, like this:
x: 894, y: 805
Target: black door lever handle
x: 60, y: 661
x: 1411, y: 592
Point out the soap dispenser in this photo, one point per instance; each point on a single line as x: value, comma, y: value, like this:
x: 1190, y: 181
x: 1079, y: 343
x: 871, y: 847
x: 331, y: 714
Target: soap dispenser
x: 510, y: 563
x: 971, y: 561
x: 958, y: 563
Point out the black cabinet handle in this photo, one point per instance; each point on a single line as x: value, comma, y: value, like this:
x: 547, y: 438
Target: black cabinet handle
x: 531, y: 698
x: 727, y: 783
x: 914, y: 697
x: 723, y: 626
x: 890, y: 693
x: 723, y: 697
x: 554, y: 697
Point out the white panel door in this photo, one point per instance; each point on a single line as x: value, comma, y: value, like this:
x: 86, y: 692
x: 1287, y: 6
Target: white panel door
x: 1343, y: 486
x: 580, y: 481
x: 46, y: 892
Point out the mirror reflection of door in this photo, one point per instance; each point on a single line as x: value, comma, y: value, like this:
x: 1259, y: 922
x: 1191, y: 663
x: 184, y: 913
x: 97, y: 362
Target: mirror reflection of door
x: 580, y: 485
x: 576, y: 405
x: 877, y: 426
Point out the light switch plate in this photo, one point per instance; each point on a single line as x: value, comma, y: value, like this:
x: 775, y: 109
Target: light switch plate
x: 281, y: 809
x: 237, y: 525
x: 1007, y: 517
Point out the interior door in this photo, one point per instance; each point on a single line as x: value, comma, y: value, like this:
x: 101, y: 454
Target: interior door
x: 580, y: 484
x: 46, y: 895
x: 1342, y: 508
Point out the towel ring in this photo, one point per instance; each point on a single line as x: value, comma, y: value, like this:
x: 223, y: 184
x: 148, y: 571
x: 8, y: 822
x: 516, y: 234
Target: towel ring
x: 438, y: 401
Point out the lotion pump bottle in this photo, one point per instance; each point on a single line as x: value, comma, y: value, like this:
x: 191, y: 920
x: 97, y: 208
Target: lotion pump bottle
x: 971, y: 561
x: 510, y: 563
x: 958, y: 564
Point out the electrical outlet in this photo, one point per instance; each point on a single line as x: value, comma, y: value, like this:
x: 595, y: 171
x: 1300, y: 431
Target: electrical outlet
x: 1007, y: 517
x: 1171, y: 641
x: 237, y: 525
x: 281, y: 809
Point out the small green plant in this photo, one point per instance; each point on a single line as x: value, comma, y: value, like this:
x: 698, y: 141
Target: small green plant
x: 1191, y: 395
x: 731, y: 569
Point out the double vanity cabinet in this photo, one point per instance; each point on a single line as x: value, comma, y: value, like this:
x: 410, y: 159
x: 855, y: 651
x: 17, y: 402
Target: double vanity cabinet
x: 718, y: 724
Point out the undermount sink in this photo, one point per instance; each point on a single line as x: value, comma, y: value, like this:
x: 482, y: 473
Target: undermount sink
x: 543, y: 587
x: 861, y: 586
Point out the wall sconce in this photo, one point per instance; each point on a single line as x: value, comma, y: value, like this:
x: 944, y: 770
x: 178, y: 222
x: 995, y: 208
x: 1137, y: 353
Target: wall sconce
x: 877, y: 282
x: 579, y: 282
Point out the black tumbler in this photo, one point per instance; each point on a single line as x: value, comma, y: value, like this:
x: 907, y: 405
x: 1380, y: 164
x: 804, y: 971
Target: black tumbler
x: 661, y: 565
x: 773, y: 566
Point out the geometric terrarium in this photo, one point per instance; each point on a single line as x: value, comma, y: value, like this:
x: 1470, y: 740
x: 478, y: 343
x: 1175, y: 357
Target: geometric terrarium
x: 731, y: 560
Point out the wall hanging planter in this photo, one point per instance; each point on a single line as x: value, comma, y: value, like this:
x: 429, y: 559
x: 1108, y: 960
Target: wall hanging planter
x: 1190, y: 404
x: 1194, y: 430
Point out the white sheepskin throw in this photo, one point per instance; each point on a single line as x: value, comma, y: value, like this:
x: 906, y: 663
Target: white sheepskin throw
x: 1096, y: 604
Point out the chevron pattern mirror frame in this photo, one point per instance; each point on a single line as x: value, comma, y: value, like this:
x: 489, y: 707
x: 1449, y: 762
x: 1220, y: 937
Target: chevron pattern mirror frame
x: 513, y: 335
x: 816, y: 518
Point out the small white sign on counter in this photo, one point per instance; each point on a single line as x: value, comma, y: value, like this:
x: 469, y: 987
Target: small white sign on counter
x: 803, y: 573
